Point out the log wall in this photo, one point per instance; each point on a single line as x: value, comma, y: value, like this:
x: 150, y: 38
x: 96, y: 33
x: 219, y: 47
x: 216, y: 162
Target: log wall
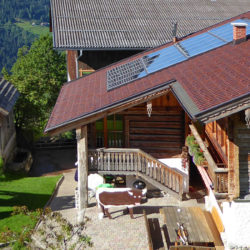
x: 162, y: 134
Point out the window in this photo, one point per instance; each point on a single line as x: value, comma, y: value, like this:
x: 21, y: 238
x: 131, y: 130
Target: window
x: 115, y: 131
x: 109, y: 132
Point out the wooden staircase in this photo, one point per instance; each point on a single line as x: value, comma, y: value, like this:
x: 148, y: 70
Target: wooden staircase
x: 126, y: 161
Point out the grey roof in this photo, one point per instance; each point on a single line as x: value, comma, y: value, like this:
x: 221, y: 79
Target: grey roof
x: 134, y: 24
x: 8, y: 96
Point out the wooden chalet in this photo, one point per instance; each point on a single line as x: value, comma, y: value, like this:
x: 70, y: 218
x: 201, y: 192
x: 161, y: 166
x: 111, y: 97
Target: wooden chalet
x: 132, y: 115
x: 95, y: 35
x: 8, y: 97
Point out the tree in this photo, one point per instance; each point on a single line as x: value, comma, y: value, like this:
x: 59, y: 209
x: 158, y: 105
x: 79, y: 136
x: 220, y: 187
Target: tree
x: 38, y: 75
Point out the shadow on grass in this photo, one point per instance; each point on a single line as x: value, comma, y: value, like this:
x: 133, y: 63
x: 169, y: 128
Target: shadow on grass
x: 11, y: 177
x: 32, y: 201
x: 5, y: 214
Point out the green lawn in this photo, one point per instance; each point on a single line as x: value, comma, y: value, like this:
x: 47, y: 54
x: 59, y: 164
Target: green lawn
x: 36, y: 30
x: 15, y: 190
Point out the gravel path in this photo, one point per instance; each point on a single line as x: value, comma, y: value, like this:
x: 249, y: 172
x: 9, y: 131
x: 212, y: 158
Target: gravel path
x: 121, y: 232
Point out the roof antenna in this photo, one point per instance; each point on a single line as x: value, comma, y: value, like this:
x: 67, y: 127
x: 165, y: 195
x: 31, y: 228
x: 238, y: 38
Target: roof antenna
x: 174, y: 32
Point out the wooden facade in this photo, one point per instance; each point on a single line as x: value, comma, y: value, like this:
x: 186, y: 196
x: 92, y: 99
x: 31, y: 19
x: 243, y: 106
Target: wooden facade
x: 228, y: 144
x: 129, y: 142
x: 7, y: 137
x: 162, y: 134
x: 225, y: 142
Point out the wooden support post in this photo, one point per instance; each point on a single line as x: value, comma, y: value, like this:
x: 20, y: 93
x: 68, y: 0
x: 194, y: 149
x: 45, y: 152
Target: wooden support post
x: 82, y: 159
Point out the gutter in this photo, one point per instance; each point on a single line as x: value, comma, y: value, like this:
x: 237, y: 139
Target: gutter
x: 102, y: 49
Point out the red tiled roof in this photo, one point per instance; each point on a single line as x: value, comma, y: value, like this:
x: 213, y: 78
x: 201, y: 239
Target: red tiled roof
x: 209, y: 79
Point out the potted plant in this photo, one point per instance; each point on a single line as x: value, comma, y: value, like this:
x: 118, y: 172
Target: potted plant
x: 195, y: 150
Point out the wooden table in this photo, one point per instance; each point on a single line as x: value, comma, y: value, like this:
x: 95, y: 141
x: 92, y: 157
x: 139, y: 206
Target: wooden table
x: 193, y: 220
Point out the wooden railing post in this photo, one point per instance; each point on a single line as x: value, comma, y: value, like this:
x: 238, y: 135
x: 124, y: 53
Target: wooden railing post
x: 158, y: 171
x: 148, y: 167
x: 127, y: 159
x: 108, y: 161
x: 139, y: 162
x: 143, y: 164
x: 162, y: 176
x: 181, y: 186
x: 154, y: 170
x: 124, y: 161
x: 101, y: 160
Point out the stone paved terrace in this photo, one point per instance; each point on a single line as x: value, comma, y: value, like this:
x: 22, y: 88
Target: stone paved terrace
x: 121, y: 232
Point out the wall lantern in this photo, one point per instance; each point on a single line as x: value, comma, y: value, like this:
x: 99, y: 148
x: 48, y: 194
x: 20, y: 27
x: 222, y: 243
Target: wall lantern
x: 149, y: 108
x: 247, y: 117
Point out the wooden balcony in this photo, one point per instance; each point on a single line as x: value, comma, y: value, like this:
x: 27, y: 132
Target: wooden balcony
x: 135, y: 161
x: 217, y: 172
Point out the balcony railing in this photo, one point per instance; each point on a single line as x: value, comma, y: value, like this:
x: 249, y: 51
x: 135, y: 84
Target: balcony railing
x: 118, y: 160
x: 217, y: 172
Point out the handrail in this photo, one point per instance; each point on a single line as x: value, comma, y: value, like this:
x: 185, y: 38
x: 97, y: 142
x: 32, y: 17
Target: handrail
x: 129, y: 159
x: 202, y: 145
x: 218, y: 148
x: 219, y: 175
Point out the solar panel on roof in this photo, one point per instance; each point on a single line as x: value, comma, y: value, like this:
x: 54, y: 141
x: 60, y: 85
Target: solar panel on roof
x: 124, y: 73
x: 224, y: 32
x: 171, y: 55
x: 202, y: 43
x: 166, y: 57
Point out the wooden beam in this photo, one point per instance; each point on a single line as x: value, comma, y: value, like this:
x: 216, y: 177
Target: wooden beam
x: 82, y: 159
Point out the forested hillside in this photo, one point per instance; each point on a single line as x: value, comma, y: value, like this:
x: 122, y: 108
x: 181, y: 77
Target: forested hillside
x: 12, y: 36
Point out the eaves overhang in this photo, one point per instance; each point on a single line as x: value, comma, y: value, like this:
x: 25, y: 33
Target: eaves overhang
x: 225, y: 109
x: 63, y: 48
x: 116, y: 107
x: 222, y: 110
x: 184, y: 100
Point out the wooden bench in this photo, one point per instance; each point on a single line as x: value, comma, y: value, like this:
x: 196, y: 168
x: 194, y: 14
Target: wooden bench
x: 153, y: 228
x: 214, y: 229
